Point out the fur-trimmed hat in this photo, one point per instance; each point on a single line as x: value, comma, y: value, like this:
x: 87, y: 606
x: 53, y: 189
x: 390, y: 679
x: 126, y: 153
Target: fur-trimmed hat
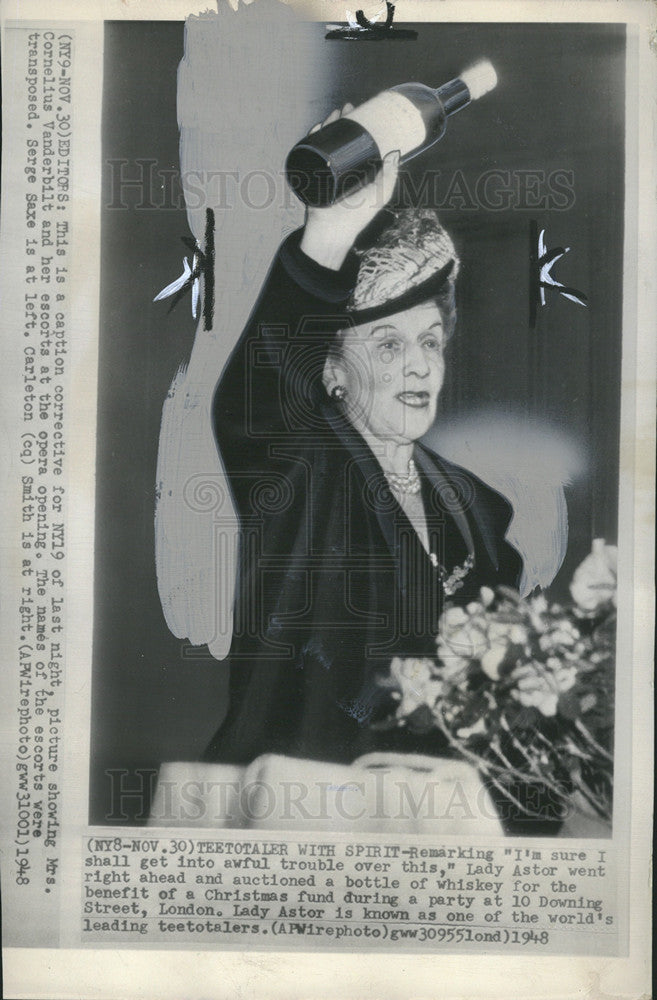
x: 412, y: 260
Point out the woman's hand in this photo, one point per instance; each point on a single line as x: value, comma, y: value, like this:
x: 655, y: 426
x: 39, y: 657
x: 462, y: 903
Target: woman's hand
x: 330, y: 232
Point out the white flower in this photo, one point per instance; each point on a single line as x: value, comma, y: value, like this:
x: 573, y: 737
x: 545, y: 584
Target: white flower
x: 501, y: 635
x: 464, y: 637
x: 539, y: 686
x: 518, y: 635
x: 487, y: 596
x: 563, y: 633
x: 491, y: 660
x: 452, y: 668
x: 478, y: 635
x: 417, y: 682
x: 594, y: 580
x: 454, y: 616
x: 539, y: 604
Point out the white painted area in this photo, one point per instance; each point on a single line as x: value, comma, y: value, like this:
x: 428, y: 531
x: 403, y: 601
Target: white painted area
x: 240, y: 172
x: 502, y: 451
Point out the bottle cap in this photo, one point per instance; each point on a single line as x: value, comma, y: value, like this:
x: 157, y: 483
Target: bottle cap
x: 479, y: 79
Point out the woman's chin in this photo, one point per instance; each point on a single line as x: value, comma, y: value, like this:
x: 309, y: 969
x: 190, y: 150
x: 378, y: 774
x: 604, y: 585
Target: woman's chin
x: 416, y: 425
x: 406, y: 433
x: 407, y: 427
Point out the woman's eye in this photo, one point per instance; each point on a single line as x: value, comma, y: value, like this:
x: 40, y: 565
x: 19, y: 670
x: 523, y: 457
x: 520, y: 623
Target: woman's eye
x: 433, y: 344
x: 389, y: 345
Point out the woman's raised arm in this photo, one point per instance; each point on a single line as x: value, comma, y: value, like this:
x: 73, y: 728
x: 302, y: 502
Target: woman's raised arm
x: 310, y: 280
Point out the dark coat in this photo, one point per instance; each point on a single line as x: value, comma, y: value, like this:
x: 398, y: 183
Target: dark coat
x: 333, y: 580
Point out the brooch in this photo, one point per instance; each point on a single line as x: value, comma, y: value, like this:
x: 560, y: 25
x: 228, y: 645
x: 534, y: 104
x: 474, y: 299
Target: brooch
x: 454, y: 581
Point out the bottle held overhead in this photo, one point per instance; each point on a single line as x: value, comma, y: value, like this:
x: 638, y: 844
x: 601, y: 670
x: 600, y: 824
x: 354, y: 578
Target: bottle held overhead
x: 411, y: 117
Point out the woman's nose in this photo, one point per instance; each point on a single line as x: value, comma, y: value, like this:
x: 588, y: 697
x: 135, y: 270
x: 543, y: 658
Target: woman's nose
x: 415, y: 361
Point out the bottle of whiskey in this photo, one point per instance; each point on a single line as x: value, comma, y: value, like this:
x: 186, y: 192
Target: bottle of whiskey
x: 346, y: 154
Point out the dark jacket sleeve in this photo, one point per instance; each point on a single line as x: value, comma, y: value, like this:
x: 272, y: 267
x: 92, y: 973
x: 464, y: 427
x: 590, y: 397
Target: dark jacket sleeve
x: 264, y: 395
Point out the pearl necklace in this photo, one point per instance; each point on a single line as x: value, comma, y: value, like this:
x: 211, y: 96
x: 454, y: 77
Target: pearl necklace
x: 409, y: 484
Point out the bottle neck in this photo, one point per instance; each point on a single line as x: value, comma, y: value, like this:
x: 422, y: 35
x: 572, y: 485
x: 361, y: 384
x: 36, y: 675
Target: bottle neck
x: 453, y: 96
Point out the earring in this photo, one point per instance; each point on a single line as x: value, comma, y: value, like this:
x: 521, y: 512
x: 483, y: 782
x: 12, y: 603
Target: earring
x: 338, y: 392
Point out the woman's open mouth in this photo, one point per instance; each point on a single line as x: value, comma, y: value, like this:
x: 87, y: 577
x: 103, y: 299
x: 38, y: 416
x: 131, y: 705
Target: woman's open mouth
x: 419, y: 400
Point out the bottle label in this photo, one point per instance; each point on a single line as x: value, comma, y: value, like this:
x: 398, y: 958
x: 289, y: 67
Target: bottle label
x: 393, y: 122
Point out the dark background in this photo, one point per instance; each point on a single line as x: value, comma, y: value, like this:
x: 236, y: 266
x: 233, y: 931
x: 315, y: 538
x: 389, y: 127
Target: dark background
x: 559, y: 105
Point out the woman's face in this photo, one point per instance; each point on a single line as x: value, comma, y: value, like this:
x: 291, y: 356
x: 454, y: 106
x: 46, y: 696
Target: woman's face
x: 392, y: 370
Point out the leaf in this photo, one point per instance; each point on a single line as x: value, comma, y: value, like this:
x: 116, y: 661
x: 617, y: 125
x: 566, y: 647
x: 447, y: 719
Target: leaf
x: 588, y: 702
x: 421, y: 720
x: 568, y: 705
x: 385, y: 725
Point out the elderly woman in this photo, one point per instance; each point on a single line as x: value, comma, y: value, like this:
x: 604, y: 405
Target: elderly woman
x: 353, y: 533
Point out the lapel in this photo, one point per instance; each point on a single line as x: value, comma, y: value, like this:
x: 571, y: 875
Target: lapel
x: 462, y: 500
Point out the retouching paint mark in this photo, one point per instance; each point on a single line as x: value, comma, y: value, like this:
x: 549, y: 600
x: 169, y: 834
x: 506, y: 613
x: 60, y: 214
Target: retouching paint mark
x: 541, y: 262
x: 202, y: 266
x: 369, y: 29
x: 500, y: 447
x: 365, y: 23
x: 208, y: 298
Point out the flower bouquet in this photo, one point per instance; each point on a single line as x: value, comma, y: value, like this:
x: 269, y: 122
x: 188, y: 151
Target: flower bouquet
x: 523, y: 689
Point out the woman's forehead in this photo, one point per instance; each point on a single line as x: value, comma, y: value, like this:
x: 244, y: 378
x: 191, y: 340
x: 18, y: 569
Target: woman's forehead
x: 408, y: 323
